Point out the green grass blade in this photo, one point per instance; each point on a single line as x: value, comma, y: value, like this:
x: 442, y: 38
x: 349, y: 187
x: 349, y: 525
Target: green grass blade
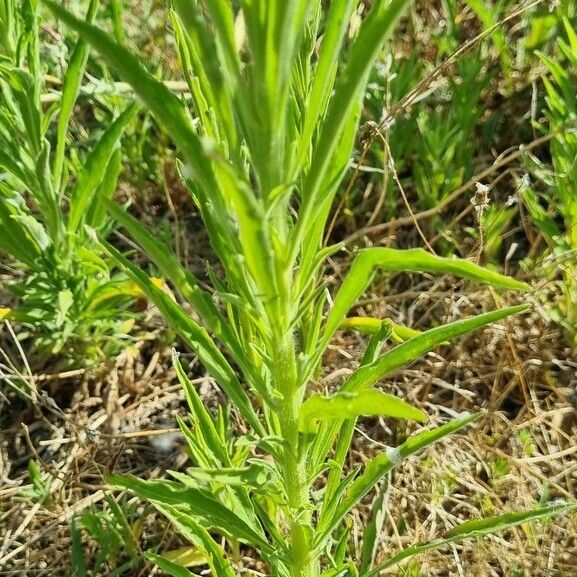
x: 94, y: 170
x: 477, y: 528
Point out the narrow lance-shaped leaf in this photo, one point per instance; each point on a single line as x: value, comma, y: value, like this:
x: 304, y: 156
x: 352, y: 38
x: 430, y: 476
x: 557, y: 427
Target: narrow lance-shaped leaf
x: 374, y: 526
x: 198, y: 535
x: 367, y: 375
x: 347, y: 429
x: 199, y: 58
x: 70, y: 89
x: 170, y: 567
x: 166, y: 107
x: 377, y: 468
x: 253, y: 233
x: 16, y: 169
x: 200, y: 413
x: 371, y: 326
x: 189, y: 287
x: 15, y: 237
x: 96, y: 215
x: 311, y: 257
x: 375, y: 29
x: 476, y: 528
x: 351, y: 405
x: 254, y: 475
x: 195, y: 336
x: 337, y: 21
x: 93, y: 172
x: 195, y: 504
x: 368, y: 261
x: 404, y: 353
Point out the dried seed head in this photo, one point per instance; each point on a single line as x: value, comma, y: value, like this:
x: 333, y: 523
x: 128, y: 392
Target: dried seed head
x: 525, y: 182
x: 480, y: 200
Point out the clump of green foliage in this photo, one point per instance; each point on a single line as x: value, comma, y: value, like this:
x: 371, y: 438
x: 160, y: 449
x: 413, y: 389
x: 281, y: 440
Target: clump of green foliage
x: 560, y: 179
x: 277, y: 89
x: 69, y: 299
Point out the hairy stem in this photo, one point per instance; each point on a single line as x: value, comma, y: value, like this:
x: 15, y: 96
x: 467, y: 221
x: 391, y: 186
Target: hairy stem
x: 286, y: 381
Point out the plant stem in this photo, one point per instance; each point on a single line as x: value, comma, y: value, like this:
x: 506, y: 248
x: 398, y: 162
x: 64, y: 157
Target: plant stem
x: 294, y: 468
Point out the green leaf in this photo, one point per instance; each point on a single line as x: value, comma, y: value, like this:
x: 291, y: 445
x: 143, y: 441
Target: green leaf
x: 171, y: 567
x: 192, y: 504
x: 351, y: 405
x: 184, y: 281
x: 70, y: 90
x: 342, y: 570
x: 368, y: 261
x: 337, y: 22
x: 15, y: 237
x: 65, y: 302
x: 200, y: 414
x: 368, y: 375
x: 77, y: 552
x: 377, y: 468
x: 375, y: 29
x: 255, y: 475
x: 195, y: 336
x: 210, y: 84
x: 253, y: 233
x: 373, y: 528
x: 371, y: 326
x: 96, y: 215
x: 166, y: 107
x: 198, y: 535
x: 17, y: 170
x: 476, y: 528
x: 94, y: 170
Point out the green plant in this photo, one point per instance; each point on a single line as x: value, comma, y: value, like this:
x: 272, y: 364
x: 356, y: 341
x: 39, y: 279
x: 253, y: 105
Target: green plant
x: 561, y: 182
x: 432, y: 138
x: 114, y: 530
x: 276, y: 91
x: 68, y: 297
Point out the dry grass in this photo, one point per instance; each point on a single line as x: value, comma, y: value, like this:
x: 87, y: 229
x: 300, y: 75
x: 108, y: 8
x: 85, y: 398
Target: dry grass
x: 123, y: 419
